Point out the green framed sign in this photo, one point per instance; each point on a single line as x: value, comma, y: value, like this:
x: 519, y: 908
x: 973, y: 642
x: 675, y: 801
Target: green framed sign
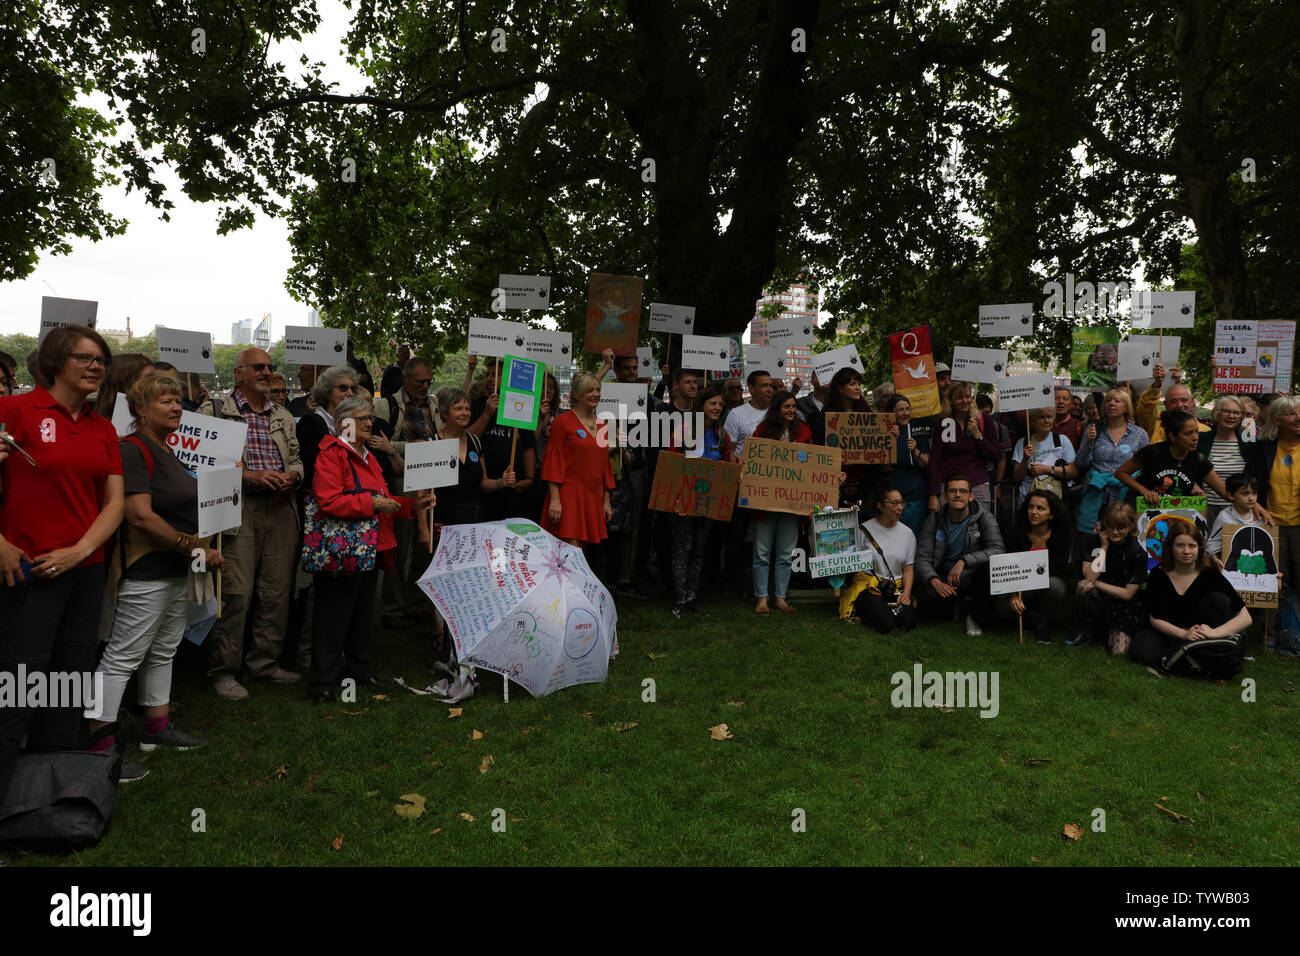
x: 522, y: 381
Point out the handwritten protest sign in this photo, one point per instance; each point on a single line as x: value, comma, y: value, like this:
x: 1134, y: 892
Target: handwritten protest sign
x: 695, y: 487
x: 1250, y: 562
x: 206, y: 443
x: 836, y: 544
x: 1018, y: 571
x: 863, y: 438
x: 1253, y: 358
x: 784, y: 476
x: 220, y: 500
x: 431, y: 464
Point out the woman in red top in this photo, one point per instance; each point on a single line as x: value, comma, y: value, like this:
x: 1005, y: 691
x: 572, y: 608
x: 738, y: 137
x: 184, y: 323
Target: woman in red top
x: 578, y: 469
x: 344, y: 601
x: 55, y: 517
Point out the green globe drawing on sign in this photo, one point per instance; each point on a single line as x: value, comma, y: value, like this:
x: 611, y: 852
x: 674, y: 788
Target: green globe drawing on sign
x: 702, y: 486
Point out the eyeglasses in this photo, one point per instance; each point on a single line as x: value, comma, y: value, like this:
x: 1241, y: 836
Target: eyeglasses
x: 258, y: 366
x: 86, y: 360
x: 420, y: 381
x: 279, y: 391
x: 346, y: 388
x: 1229, y: 411
x: 366, y: 420
x: 893, y: 501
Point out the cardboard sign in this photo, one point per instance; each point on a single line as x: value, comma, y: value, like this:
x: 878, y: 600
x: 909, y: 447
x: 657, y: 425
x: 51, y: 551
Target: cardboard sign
x: 1250, y: 562
x: 840, y: 565
x: 826, y: 364
x: 1023, y: 392
x: 522, y: 381
x: 123, y: 423
x: 56, y: 313
x: 613, y: 313
x: 221, y: 508
x: 1018, y: 571
x: 550, y: 348
x: 835, y: 531
x: 623, y: 401
x: 495, y: 338
x: 979, y: 365
x: 695, y: 487
x: 784, y: 476
x: 709, y: 353
x: 765, y: 358
x: 863, y: 438
x: 645, y: 363
x: 1006, y: 321
x: 672, y: 318
x: 912, y: 363
x: 207, y: 443
x: 522, y: 292
x: 1163, y: 310
x: 1094, y: 357
x: 1154, y: 524
x: 188, y: 351
x: 304, y: 345
x: 1253, y: 358
x: 431, y: 464
x: 792, y: 332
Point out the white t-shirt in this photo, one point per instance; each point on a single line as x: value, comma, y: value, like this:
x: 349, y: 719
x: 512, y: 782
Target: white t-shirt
x: 899, y: 545
x: 741, y: 422
x: 1227, y: 516
x: 1052, y: 450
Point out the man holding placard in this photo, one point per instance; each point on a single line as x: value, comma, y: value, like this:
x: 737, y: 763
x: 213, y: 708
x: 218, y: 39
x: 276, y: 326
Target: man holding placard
x: 260, y: 556
x: 1179, y: 397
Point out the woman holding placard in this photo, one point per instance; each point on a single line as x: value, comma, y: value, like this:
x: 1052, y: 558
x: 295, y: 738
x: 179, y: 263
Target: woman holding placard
x: 1107, y: 444
x: 689, y: 532
x: 966, y: 443
x: 1187, y: 599
x: 910, y: 474
x: 1044, y: 460
x: 578, y: 469
x: 845, y: 395
x: 1174, y: 466
x: 1225, y: 448
x: 157, y: 543
x: 776, y: 532
x: 1043, y: 525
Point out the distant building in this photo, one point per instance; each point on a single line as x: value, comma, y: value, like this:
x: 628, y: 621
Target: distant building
x: 798, y: 301
x: 241, y: 332
x: 262, y: 334
x: 119, y: 337
x: 313, y: 319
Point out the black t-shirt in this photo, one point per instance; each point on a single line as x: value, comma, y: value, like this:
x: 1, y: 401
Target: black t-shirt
x: 461, y: 503
x: 174, y: 497
x: 1166, y: 604
x: 506, y: 503
x: 1126, y: 562
x: 1167, y: 476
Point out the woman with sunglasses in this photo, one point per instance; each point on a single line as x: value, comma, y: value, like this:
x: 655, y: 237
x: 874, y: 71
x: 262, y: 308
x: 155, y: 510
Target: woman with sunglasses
x: 331, y: 387
x: 1224, y: 446
x: 62, y: 501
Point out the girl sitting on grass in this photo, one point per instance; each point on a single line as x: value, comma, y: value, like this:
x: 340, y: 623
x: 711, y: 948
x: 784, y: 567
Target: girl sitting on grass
x: 1114, y: 570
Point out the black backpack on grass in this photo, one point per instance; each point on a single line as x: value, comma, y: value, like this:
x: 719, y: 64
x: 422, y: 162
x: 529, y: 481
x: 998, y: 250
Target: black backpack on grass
x: 1213, y: 659
x: 60, y: 801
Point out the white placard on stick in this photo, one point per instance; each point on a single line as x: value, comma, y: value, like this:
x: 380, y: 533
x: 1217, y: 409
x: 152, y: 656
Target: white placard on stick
x: 791, y: 332
x: 1018, y: 571
x: 522, y: 292
x: 1023, y: 392
x: 207, y: 443
x: 553, y: 348
x: 645, y: 362
x: 979, y: 365
x: 672, y: 318
x: 123, y: 423
x: 1005, y: 321
x: 188, y: 351
x: 431, y: 464
x: 619, y: 400
x: 304, y: 345
x: 221, y: 507
x: 496, y: 338
x: 826, y: 364
x: 1163, y: 310
x: 1138, y: 356
x: 57, y: 312
x: 765, y: 358
x: 709, y: 353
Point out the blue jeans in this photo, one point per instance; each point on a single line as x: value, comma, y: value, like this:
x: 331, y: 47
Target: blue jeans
x: 774, y: 532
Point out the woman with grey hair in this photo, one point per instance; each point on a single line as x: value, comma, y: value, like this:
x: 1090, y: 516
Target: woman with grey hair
x: 332, y: 386
x: 348, y: 485
x: 1224, y: 446
x: 1274, y: 460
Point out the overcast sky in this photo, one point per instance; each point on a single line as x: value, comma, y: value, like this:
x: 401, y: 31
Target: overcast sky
x: 181, y: 273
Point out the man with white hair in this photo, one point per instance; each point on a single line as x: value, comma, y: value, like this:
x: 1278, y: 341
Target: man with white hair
x: 1179, y: 397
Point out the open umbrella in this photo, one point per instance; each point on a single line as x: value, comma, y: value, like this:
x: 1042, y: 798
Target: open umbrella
x: 522, y: 603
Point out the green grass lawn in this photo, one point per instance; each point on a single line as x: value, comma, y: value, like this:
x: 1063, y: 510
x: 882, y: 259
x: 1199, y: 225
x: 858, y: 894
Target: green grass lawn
x: 807, y: 699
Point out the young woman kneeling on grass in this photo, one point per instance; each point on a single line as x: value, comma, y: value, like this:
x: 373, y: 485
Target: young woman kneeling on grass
x: 1043, y: 525
x: 1187, y: 599
x: 1114, y: 569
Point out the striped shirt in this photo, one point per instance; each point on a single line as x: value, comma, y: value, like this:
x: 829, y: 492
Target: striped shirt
x: 260, y: 453
x: 1227, y: 459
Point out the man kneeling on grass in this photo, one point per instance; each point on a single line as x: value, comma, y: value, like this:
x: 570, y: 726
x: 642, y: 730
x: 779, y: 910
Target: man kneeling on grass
x: 952, y: 555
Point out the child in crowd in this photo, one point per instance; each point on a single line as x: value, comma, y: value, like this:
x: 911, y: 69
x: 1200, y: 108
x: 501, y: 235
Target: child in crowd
x: 1114, y: 569
x: 1243, y: 492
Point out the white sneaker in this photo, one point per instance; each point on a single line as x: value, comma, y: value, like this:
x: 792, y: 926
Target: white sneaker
x: 972, y: 627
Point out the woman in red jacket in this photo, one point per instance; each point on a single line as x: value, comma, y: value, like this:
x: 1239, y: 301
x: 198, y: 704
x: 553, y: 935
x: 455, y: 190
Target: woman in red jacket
x: 577, y: 469
x: 349, y: 484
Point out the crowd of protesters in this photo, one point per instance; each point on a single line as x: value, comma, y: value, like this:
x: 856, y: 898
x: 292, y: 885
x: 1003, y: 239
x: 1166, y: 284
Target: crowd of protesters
x: 98, y: 537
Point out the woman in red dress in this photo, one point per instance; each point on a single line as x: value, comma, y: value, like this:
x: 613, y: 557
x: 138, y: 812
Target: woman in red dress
x: 577, y: 468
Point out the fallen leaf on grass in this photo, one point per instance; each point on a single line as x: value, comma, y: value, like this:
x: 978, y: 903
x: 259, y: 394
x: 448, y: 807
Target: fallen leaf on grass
x: 947, y: 710
x: 1072, y: 830
x: 1180, y: 817
x: 280, y: 772
x: 720, y: 732
x: 466, y: 816
x: 529, y: 729
x: 372, y: 793
x: 1202, y: 794
x: 656, y: 657
x: 735, y: 703
x: 356, y: 713
x: 411, y: 807
x: 380, y: 697
x: 326, y: 716
x: 338, y: 842
x: 1036, y: 761
x: 455, y: 712
x: 435, y: 830
x: 622, y: 725
x: 589, y: 714
x: 516, y: 819
x: 1164, y: 798
x: 487, y: 764
x: 476, y: 735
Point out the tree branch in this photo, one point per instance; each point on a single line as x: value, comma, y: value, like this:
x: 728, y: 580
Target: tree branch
x: 1071, y: 249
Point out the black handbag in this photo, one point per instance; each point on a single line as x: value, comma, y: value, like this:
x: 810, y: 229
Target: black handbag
x: 60, y: 801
